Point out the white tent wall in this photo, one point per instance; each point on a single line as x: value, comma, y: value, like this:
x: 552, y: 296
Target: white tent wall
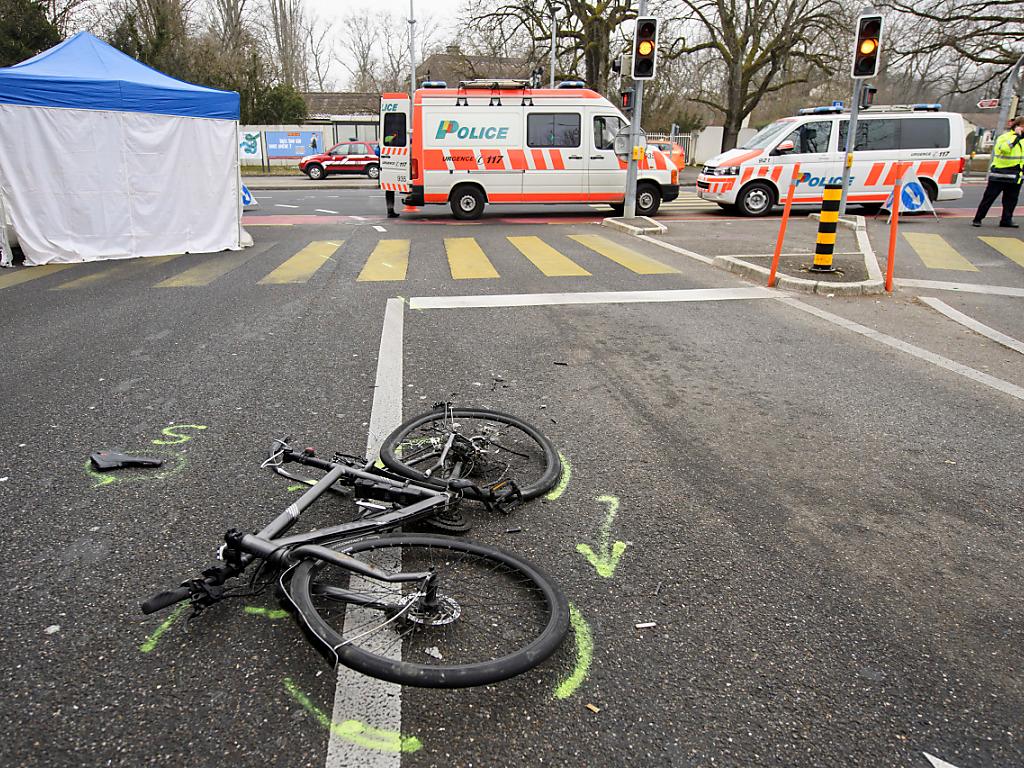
x: 85, y: 185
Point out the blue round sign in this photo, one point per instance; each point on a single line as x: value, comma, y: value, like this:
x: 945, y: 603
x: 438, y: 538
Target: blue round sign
x: 913, y: 198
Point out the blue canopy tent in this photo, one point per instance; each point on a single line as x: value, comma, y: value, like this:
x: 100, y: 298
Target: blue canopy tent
x: 102, y: 157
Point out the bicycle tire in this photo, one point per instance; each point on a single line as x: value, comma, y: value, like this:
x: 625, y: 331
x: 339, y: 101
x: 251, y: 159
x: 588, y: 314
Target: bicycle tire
x: 366, y: 641
x: 538, y: 473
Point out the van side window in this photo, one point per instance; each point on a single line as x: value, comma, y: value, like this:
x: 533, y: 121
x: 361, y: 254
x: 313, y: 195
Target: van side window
x: 872, y: 135
x: 605, y: 128
x: 811, y: 138
x: 394, y: 129
x: 549, y: 130
x: 925, y: 133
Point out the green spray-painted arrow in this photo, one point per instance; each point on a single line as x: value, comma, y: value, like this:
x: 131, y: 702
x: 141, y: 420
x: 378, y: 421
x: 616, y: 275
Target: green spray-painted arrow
x: 607, y: 560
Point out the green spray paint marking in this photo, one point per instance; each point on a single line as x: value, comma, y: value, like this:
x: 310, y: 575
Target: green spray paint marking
x: 607, y: 560
x: 584, y: 655
x: 270, y: 613
x: 297, y: 486
x: 169, y: 432
x: 153, y: 639
x: 563, y: 481
x: 355, y: 731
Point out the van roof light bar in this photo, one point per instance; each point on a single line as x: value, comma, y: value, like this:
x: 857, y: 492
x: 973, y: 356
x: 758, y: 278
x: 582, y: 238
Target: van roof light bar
x: 506, y: 84
x: 829, y: 110
x: 434, y: 84
x: 572, y: 84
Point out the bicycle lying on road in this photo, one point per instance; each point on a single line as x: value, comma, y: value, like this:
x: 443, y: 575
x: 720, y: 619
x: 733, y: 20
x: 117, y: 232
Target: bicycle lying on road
x: 424, y: 610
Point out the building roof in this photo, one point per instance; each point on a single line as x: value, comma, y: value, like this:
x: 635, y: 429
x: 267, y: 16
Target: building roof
x: 341, y: 103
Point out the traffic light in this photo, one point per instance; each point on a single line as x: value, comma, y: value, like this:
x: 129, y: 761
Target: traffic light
x: 645, y: 48
x: 869, y: 42
x: 867, y: 95
x: 627, y: 101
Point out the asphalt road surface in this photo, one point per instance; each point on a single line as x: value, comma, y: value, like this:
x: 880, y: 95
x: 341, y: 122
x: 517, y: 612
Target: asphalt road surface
x: 816, y: 504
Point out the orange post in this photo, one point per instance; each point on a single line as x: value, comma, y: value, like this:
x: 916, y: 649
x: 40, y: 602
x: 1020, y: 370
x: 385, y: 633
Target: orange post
x: 782, y: 226
x: 901, y: 168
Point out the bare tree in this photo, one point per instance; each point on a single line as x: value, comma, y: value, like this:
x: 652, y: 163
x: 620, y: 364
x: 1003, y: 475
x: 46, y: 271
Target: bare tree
x: 583, y: 35
x: 376, y: 56
x: 64, y: 14
x: 289, y: 41
x: 229, y: 22
x: 758, y: 47
x: 320, y: 50
x: 358, y: 45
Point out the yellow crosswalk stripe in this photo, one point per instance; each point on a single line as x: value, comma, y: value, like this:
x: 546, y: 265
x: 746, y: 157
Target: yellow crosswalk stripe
x: 467, y: 261
x: 389, y: 261
x: 623, y: 256
x: 300, y: 267
x: 936, y: 253
x: 9, y: 277
x: 1010, y: 247
x: 122, y: 268
x: 209, y: 269
x: 547, y: 259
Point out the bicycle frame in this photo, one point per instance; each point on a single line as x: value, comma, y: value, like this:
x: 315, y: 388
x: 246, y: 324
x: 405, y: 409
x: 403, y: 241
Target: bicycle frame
x: 270, y: 544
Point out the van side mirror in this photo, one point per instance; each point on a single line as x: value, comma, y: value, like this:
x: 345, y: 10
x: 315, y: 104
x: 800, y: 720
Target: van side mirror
x: 786, y: 146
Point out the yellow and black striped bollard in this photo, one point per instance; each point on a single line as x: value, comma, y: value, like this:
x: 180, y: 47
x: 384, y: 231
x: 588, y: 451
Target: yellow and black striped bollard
x: 826, y: 244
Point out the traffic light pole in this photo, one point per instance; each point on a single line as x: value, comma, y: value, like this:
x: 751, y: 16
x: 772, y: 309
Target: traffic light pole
x: 634, y: 136
x: 851, y: 142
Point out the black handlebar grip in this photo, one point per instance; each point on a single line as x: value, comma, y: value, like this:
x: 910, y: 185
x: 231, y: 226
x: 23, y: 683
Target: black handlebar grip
x: 164, y: 599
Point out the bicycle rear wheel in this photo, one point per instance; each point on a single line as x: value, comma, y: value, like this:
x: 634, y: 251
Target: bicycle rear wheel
x: 498, y: 617
x: 475, y: 444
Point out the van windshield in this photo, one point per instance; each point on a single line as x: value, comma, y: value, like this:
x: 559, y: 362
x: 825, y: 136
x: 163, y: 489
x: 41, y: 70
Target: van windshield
x: 768, y: 134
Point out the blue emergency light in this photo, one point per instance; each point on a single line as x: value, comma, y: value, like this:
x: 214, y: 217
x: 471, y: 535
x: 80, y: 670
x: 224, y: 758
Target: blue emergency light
x: 572, y: 84
x: 926, y: 107
x: 434, y: 84
x: 832, y: 110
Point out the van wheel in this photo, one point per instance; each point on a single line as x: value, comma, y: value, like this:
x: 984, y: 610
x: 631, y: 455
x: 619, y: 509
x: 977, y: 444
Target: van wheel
x: 756, y: 199
x: 315, y: 172
x: 648, y: 199
x: 930, y: 189
x: 467, y: 202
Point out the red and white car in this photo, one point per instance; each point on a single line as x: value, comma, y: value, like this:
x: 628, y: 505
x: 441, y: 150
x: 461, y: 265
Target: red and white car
x: 347, y: 157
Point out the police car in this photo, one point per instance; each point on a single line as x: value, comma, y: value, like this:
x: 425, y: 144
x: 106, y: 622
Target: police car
x: 500, y: 141
x: 753, y: 178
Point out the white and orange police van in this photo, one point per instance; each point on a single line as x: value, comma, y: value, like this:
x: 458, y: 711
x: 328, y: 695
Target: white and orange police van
x: 499, y: 141
x: 755, y: 177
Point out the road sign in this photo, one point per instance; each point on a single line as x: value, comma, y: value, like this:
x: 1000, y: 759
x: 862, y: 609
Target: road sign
x: 988, y: 104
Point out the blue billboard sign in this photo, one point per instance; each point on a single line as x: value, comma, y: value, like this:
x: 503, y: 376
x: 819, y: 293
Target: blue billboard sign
x: 294, y: 144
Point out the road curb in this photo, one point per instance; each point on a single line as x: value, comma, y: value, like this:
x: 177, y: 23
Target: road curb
x: 873, y: 285
x: 301, y: 182
x: 638, y: 225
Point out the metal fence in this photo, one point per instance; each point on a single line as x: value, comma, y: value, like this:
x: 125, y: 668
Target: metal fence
x: 685, y: 140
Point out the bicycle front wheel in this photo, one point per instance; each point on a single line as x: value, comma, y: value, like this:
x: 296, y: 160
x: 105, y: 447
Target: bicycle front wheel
x: 476, y: 444
x: 497, y: 616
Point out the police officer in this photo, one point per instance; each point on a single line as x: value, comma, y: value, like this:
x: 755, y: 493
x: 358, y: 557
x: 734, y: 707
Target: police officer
x: 1004, y: 175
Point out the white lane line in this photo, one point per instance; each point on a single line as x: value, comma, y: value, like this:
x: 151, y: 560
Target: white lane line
x: 282, y: 205
x: 374, y: 702
x: 922, y: 354
x: 593, y: 297
x: 942, y: 285
x: 324, y: 210
x: 676, y: 248
x: 379, y: 228
x: 937, y: 762
x: 969, y: 322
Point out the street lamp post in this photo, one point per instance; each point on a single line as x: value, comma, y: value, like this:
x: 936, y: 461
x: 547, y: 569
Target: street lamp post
x: 554, y: 43
x: 412, y: 52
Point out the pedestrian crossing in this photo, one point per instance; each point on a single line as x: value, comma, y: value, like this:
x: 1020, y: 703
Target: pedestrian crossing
x: 936, y: 252
x: 687, y: 202
x: 388, y: 260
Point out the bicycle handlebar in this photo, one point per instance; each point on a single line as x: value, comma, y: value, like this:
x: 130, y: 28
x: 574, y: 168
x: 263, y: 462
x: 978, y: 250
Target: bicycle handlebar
x: 164, y: 599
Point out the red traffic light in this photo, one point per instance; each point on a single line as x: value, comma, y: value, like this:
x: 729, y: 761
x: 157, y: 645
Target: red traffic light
x: 867, y: 48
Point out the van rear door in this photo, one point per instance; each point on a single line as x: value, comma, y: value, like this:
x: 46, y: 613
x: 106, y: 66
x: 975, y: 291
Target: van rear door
x: 395, y: 142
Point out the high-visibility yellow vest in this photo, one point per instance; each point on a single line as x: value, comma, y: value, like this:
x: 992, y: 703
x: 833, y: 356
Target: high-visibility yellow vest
x: 1008, y: 156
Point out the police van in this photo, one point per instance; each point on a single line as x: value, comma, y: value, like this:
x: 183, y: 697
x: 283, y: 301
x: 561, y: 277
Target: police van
x: 753, y: 178
x: 500, y: 141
